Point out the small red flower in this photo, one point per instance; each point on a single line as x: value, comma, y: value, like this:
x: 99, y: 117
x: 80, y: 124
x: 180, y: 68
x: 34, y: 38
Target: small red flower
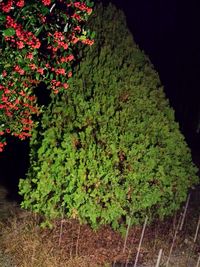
x: 20, y: 44
x: 41, y: 71
x: 20, y: 3
x: 29, y: 56
x: 19, y: 70
x: 69, y: 74
x: 46, y: 2
x: 60, y: 71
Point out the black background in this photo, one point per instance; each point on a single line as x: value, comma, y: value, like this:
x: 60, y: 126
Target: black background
x: 168, y: 31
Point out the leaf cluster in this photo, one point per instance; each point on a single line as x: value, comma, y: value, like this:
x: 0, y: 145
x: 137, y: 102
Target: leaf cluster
x: 109, y: 149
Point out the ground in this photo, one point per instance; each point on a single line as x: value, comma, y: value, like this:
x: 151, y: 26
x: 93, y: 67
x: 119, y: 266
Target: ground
x: 71, y: 244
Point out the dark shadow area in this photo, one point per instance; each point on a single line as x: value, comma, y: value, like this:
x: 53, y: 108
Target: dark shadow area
x: 14, y: 160
x: 14, y: 165
x: 42, y: 94
x: 167, y: 30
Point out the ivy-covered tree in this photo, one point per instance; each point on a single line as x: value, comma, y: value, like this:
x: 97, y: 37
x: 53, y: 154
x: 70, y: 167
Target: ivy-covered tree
x: 109, y: 148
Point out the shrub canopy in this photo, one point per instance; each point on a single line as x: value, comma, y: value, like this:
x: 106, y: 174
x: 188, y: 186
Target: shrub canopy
x: 109, y: 148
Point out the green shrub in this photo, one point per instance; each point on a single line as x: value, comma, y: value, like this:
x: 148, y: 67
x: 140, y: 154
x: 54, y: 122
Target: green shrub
x: 109, y: 148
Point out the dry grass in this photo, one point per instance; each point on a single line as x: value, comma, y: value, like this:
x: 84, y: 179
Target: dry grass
x: 22, y: 238
x: 78, y: 246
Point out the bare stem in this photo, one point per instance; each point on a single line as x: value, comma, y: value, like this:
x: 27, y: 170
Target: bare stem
x: 52, y: 8
x: 184, y: 213
x: 197, y: 230
x: 194, y: 240
x: 173, y: 241
x: 198, y: 261
x: 127, y: 231
x: 140, y: 243
x: 159, y: 258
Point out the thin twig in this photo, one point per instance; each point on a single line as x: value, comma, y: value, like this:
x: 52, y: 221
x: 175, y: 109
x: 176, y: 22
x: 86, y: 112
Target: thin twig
x: 127, y: 231
x: 52, y: 7
x: 198, y: 261
x: 197, y: 230
x: 159, y: 258
x: 173, y: 241
x: 66, y: 27
x: 194, y: 241
x: 184, y: 213
x: 140, y: 243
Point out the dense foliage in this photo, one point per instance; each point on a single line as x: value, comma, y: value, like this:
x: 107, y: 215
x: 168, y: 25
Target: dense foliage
x: 38, y: 44
x: 109, y: 148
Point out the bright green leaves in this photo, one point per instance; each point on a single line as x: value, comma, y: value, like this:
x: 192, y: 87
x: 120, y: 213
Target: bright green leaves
x: 9, y: 32
x: 109, y: 149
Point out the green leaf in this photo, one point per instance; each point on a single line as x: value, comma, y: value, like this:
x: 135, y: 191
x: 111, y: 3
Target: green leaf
x: 109, y: 147
x: 2, y: 17
x: 38, y: 31
x: 9, y: 32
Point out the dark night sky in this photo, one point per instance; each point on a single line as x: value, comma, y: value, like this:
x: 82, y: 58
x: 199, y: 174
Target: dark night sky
x: 167, y: 30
